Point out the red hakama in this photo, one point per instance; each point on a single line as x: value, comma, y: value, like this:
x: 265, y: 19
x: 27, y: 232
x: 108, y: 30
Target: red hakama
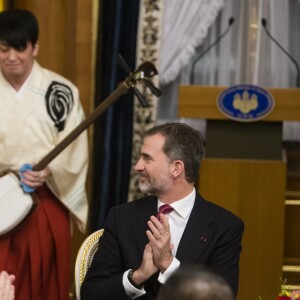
x: 39, y: 253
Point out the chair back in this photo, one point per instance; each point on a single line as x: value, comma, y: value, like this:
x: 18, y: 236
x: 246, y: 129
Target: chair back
x: 84, y: 258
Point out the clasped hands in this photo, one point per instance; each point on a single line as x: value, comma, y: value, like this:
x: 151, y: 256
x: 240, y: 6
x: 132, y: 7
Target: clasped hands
x: 157, y: 253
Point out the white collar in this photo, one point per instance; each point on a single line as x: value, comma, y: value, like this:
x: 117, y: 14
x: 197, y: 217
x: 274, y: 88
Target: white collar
x: 183, y: 206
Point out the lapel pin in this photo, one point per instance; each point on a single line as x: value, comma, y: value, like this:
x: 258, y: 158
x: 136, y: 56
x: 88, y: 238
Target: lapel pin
x: 203, y: 238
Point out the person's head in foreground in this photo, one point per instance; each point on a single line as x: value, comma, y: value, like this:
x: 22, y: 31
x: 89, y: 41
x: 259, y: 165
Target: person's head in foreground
x: 194, y: 282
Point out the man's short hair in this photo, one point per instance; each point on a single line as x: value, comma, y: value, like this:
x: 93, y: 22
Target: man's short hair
x: 182, y: 143
x: 18, y: 27
x: 194, y: 282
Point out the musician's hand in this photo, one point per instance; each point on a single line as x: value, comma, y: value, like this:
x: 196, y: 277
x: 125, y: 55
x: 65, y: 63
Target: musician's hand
x: 35, y: 178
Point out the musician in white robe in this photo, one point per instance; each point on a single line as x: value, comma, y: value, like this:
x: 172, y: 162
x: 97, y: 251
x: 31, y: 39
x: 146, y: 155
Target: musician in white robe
x: 38, y: 109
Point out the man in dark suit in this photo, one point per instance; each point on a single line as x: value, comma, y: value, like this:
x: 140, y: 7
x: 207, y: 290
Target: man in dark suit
x: 140, y: 250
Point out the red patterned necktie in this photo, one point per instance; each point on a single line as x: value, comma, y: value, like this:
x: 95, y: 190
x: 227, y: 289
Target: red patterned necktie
x: 164, y: 209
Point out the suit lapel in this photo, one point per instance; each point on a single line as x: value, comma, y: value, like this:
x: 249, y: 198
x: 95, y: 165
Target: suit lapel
x: 196, y: 233
x: 147, y: 208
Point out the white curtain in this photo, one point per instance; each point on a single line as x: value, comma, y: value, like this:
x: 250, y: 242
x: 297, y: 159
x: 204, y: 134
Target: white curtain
x: 245, y: 55
x: 185, y: 26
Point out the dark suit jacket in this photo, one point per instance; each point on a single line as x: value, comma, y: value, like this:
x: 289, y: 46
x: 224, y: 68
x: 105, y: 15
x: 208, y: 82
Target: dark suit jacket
x: 212, y: 237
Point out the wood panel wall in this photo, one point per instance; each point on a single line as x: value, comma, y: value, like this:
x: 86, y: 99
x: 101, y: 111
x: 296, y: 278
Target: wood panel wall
x: 255, y: 191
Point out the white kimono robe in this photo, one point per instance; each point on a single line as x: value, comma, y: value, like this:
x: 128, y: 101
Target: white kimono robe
x: 28, y: 133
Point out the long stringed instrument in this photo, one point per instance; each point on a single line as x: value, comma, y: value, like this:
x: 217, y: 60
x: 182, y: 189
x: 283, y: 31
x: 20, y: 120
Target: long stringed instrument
x: 17, y: 205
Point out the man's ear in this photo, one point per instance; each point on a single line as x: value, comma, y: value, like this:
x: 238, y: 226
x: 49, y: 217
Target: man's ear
x: 178, y: 168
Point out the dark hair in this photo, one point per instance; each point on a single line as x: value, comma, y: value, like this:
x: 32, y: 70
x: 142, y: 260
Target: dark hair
x: 18, y: 27
x: 182, y: 143
x: 195, y: 282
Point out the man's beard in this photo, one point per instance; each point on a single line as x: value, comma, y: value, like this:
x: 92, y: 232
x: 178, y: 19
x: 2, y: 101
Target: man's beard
x: 147, y: 187
x: 153, y: 187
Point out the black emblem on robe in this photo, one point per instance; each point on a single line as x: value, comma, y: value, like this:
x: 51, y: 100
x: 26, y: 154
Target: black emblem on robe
x: 59, y: 102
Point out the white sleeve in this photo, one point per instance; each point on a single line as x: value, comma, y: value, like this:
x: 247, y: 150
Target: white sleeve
x: 130, y: 290
x: 162, y: 278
